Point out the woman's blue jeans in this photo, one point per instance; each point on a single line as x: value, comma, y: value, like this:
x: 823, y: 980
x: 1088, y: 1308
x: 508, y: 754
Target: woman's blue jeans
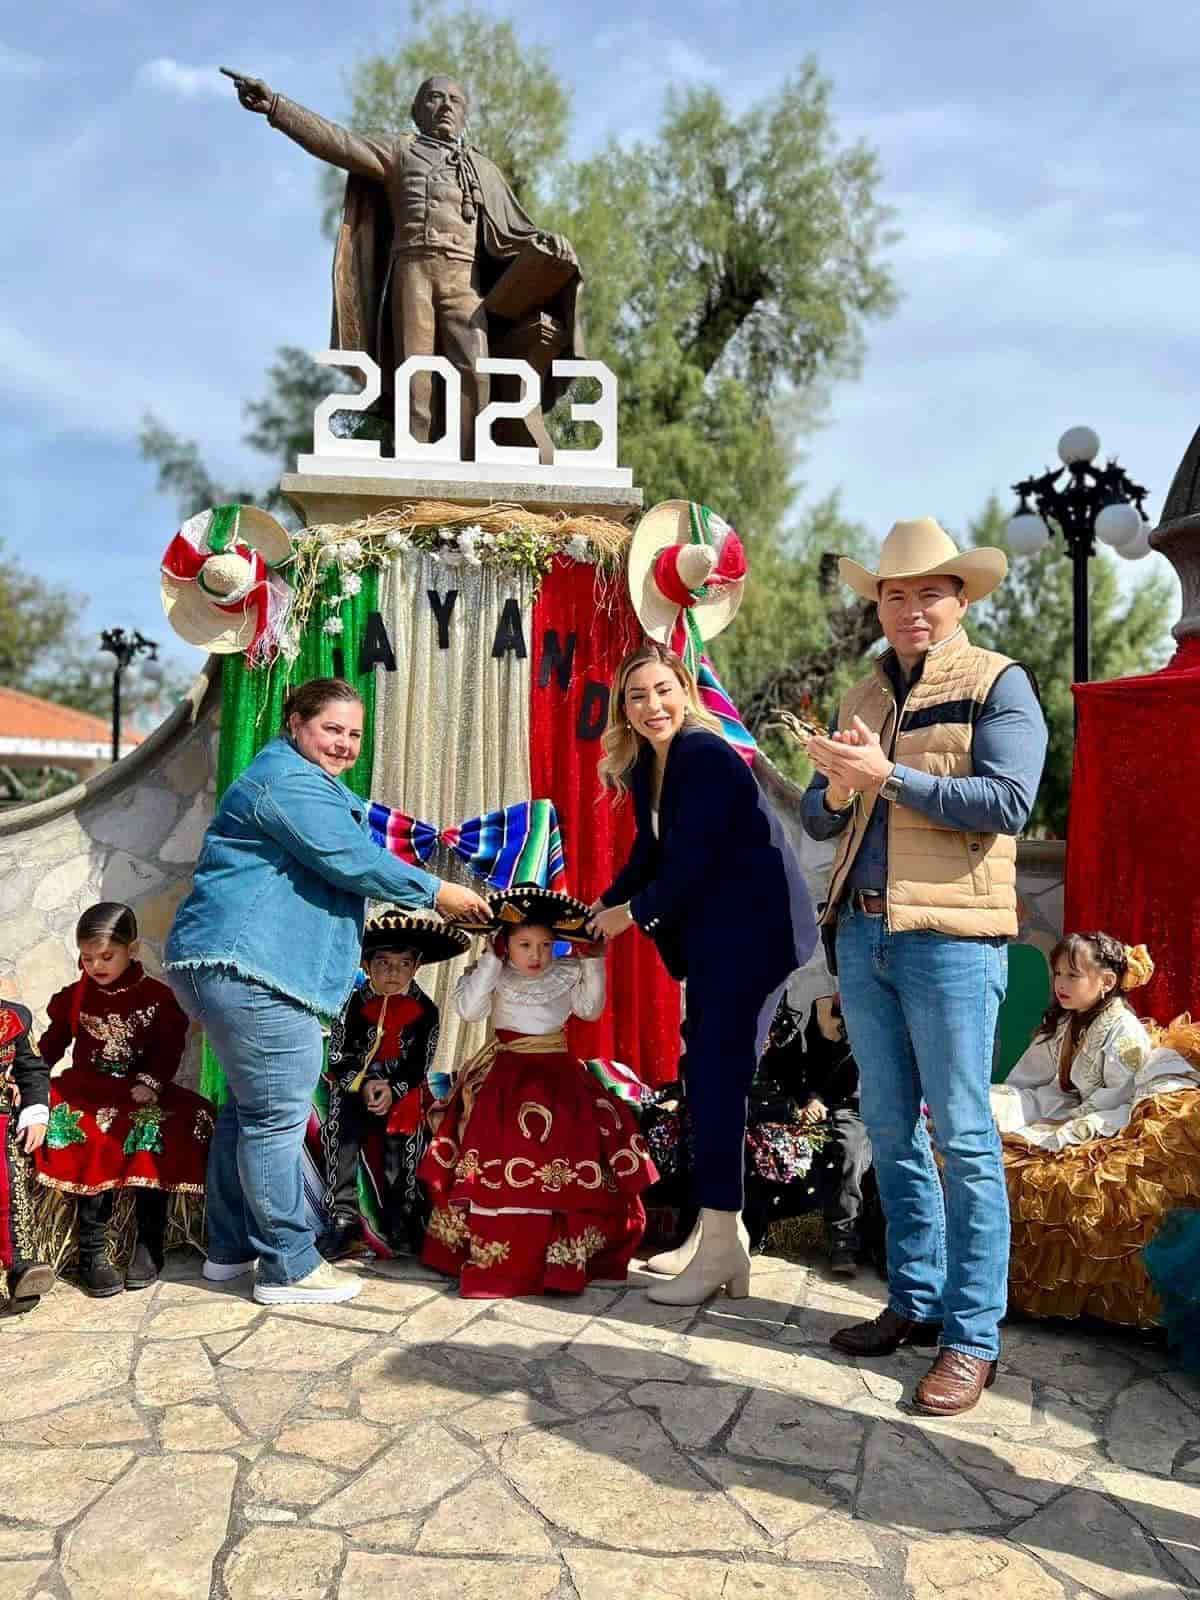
x: 920, y: 1012
x: 270, y: 1050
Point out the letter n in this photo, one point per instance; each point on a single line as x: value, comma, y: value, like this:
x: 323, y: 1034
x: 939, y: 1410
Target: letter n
x: 556, y: 659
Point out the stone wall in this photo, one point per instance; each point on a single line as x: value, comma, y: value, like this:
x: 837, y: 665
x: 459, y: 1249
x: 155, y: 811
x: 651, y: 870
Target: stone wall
x: 131, y: 834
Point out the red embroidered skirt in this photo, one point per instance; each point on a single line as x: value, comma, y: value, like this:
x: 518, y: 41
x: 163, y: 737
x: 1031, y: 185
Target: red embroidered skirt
x: 99, y: 1138
x: 536, y: 1184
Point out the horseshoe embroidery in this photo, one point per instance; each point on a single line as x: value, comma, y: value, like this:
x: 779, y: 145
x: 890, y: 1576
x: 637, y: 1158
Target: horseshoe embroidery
x: 532, y: 1108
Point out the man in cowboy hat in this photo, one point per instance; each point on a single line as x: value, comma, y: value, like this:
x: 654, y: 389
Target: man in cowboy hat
x: 932, y: 776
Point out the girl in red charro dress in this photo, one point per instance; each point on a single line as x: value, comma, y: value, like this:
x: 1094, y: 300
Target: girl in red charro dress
x: 116, y: 1119
x: 536, y: 1168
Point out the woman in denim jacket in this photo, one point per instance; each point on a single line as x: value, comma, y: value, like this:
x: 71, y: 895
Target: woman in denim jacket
x: 267, y: 944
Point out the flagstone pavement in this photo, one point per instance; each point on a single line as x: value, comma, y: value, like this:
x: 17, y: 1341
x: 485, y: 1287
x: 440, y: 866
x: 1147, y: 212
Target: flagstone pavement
x: 184, y: 1442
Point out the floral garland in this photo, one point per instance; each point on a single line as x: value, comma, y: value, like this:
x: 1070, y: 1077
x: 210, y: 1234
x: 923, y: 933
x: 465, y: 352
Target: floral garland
x: 504, y: 536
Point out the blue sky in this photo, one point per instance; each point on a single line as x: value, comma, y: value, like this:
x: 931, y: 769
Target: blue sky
x: 160, y: 243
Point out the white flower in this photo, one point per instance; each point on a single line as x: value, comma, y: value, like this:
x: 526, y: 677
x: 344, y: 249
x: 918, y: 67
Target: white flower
x: 487, y: 539
x: 351, y: 584
x: 472, y: 533
x: 472, y: 557
x: 328, y: 555
x: 349, y: 550
x: 332, y: 626
x: 397, y: 541
x: 447, y: 535
x: 580, y: 549
x: 289, y: 645
x: 329, y: 535
x: 451, y: 558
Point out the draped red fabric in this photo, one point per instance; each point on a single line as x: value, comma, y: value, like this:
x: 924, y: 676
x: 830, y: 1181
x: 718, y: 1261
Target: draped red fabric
x: 1133, y: 868
x: 640, y: 1025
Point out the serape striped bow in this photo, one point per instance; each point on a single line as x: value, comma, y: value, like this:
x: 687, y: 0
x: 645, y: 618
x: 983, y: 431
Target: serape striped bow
x: 520, y: 844
x: 687, y: 643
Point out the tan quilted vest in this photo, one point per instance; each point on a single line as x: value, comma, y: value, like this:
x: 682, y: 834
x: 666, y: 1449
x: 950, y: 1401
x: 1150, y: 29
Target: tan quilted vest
x: 939, y: 878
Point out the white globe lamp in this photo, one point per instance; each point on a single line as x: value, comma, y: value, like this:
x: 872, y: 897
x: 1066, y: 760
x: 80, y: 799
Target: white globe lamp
x: 1118, y: 525
x: 1027, y: 533
x: 1078, y: 444
x: 1137, y: 547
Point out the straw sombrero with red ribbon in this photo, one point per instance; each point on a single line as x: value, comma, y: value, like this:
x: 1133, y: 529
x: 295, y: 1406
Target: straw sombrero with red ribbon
x: 687, y: 573
x: 221, y: 587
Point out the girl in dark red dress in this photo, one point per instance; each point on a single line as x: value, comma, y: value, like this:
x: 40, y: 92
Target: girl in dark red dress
x: 116, y: 1119
x: 536, y: 1168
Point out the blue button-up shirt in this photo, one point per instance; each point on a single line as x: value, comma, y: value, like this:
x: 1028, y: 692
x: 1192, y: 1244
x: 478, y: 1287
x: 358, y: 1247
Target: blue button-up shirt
x: 1008, y: 750
x: 280, y: 888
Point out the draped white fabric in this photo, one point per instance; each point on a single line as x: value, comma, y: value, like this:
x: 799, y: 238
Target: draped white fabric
x: 452, y: 724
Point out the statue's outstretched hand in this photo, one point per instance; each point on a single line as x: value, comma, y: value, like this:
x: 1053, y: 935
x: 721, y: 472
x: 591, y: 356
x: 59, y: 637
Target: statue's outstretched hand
x: 253, y: 93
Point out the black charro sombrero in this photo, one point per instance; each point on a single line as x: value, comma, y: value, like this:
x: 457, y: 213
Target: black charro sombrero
x: 563, y: 914
x: 433, y: 939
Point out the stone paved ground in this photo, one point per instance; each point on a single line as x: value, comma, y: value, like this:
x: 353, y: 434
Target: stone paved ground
x: 184, y: 1442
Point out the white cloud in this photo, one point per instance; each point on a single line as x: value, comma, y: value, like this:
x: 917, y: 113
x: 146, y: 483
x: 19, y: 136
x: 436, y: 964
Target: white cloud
x: 650, y: 53
x: 169, y: 76
x: 19, y: 64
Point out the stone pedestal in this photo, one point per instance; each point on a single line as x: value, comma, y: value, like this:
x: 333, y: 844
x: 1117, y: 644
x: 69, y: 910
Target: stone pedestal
x: 346, y: 497
x: 1178, y: 536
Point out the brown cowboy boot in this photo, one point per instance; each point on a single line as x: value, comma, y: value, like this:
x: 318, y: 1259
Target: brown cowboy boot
x: 953, y: 1383
x: 885, y: 1335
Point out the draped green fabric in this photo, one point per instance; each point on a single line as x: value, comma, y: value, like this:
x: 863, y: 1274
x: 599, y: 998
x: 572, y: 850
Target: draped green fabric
x: 252, y: 714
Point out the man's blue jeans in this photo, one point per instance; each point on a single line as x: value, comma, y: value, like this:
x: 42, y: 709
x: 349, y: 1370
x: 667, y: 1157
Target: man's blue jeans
x: 920, y: 1011
x: 270, y: 1050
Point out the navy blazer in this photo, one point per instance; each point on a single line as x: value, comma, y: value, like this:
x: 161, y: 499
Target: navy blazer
x: 719, y: 890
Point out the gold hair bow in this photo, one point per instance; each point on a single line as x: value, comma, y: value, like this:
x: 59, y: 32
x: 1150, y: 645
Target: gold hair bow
x: 1140, y: 968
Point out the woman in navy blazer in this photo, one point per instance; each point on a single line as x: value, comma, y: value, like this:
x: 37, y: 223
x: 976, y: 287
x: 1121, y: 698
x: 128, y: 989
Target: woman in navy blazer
x: 713, y: 881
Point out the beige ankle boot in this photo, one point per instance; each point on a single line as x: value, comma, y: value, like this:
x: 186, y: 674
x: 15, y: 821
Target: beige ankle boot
x: 669, y: 1262
x: 722, y: 1261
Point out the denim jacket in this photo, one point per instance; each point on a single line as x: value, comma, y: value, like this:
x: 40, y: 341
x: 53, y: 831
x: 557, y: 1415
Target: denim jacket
x: 279, y: 890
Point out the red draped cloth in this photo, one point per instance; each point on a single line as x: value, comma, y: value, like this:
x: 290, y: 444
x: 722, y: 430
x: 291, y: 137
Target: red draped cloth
x: 1133, y: 865
x: 640, y: 1025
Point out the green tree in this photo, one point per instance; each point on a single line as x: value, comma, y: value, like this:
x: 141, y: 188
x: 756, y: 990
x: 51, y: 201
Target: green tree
x: 1029, y: 617
x: 42, y: 652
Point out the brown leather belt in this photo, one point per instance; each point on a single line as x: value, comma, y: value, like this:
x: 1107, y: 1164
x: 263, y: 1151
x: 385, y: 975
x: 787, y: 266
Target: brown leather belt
x: 874, y: 905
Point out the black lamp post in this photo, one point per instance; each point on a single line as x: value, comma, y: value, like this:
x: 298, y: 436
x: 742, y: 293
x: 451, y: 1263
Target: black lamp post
x: 1094, y: 503
x: 126, y: 647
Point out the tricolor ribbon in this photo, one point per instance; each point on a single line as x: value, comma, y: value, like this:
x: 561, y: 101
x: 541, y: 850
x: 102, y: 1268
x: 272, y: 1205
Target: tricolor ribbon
x: 265, y: 595
x: 519, y: 844
x: 685, y: 638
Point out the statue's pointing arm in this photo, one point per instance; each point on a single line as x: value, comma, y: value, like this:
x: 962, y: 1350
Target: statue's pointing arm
x: 369, y: 158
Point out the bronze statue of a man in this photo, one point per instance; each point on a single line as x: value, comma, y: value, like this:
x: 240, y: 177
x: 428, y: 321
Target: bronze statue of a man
x: 429, y: 227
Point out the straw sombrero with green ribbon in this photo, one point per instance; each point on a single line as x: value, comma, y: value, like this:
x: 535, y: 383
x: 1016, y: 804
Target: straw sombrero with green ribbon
x: 221, y: 584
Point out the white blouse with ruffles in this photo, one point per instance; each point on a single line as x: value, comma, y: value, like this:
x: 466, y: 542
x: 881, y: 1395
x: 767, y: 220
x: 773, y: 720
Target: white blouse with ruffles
x: 1032, y: 1104
x: 540, y: 1004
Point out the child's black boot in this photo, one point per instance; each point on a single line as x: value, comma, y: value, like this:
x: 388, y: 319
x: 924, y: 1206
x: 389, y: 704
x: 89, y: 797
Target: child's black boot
x: 146, y: 1262
x: 97, y: 1273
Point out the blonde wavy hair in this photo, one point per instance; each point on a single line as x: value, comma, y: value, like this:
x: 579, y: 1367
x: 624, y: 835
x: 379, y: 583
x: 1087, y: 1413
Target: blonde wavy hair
x: 622, y: 745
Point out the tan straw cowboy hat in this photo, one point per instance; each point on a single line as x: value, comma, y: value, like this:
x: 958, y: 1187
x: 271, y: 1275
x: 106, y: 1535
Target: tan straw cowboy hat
x: 923, y: 549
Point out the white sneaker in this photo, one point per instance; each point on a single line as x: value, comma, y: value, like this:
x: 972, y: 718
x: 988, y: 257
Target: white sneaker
x: 325, y: 1285
x: 224, y: 1271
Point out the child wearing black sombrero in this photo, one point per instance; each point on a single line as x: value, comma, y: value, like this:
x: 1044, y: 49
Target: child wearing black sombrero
x: 382, y: 1054
x: 536, y: 1167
